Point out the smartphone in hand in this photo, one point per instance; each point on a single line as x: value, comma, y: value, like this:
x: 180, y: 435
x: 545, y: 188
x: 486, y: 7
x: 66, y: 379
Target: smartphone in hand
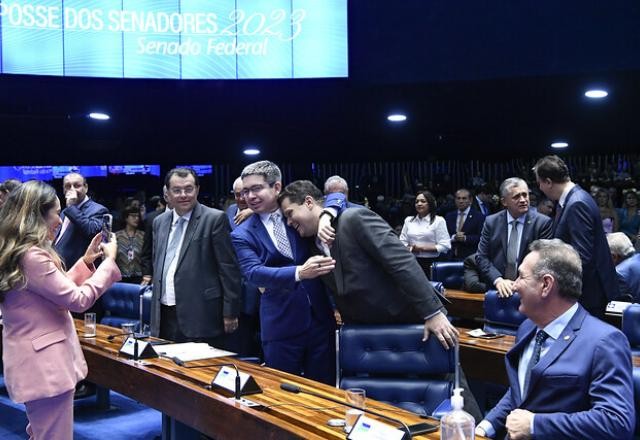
x: 107, y: 227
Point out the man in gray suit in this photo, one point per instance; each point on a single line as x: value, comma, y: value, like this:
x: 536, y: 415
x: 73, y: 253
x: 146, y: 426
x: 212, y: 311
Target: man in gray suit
x: 196, y: 279
x: 500, y: 250
x: 376, y: 280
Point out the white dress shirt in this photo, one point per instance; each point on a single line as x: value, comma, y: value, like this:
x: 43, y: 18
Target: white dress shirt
x: 421, y: 231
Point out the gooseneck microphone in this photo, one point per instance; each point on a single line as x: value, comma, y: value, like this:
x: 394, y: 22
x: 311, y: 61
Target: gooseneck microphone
x: 296, y: 389
x: 134, y: 334
x: 237, y: 393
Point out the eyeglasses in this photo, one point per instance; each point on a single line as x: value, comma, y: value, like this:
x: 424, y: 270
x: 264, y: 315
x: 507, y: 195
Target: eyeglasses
x: 176, y: 191
x: 255, y: 189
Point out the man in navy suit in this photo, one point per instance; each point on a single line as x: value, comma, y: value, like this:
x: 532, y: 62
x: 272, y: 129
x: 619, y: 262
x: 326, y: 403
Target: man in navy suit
x: 81, y: 219
x: 464, y: 225
x: 627, y: 262
x: 296, y: 317
x: 500, y: 251
x: 570, y: 374
x: 579, y: 224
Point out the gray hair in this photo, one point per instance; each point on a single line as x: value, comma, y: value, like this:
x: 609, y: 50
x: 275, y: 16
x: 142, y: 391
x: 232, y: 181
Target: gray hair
x: 620, y: 245
x: 237, y: 182
x: 509, y: 183
x: 335, y: 181
x: 562, y: 262
x: 264, y: 168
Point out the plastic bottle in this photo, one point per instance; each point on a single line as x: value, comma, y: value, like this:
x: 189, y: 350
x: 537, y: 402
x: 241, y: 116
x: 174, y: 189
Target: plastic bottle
x: 457, y: 424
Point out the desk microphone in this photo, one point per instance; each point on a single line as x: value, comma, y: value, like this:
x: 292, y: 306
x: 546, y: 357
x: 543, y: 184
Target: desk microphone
x: 237, y: 392
x: 134, y: 334
x: 296, y: 389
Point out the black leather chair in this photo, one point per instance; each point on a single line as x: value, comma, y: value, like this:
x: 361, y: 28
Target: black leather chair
x: 394, y: 366
x: 501, y: 315
x: 631, y: 327
x: 449, y: 273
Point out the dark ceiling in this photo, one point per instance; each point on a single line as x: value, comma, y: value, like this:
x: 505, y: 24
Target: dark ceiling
x: 477, y: 79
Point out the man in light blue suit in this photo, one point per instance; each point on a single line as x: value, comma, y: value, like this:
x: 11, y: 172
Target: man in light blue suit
x: 578, y: 223
x: 296, y: 317
x: 496, y: 264
x: 570, y: 374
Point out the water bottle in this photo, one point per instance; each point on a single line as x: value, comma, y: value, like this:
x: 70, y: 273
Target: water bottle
x: 457, y: 424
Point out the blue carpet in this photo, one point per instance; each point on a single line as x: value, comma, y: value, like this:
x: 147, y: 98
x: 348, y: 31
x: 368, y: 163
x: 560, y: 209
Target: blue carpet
x: 126, y: 420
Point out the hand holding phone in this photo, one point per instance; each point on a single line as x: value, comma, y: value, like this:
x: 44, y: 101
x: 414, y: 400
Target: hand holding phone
x: 107, y: 226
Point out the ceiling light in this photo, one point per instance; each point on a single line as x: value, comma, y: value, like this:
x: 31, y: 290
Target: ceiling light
x: 559, y: 145
x: 99, y: 116
x: 251, y: 151
x: 397, y: 117
x: 596, y: 94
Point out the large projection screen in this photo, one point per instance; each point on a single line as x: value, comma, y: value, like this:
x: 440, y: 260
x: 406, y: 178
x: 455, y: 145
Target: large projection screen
x: 176, y: 39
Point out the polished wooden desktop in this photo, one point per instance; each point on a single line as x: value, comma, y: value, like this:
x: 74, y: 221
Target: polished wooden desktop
x: 181, y: 394
x: 470, y: 307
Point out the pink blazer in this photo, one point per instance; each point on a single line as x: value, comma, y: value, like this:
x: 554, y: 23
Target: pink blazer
x: 41, y: 351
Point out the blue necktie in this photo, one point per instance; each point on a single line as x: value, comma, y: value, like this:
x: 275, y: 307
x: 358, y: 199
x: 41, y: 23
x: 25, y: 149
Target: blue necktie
x: 541, y: 336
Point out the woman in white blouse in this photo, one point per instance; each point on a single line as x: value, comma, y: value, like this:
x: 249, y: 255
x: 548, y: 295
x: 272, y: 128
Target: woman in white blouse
x: 425, y: 234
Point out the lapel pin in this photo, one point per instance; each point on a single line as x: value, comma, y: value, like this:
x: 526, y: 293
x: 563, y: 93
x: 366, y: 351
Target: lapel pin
x: 567, y: 337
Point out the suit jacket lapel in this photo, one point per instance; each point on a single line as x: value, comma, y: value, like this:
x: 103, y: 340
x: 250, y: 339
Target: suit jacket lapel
x: 504, y: 227
x: 294, y: 242
x: 524, y: 240
x: 335, y: 254
x: 566, y: 338
x: 513, y: 359
x: 163, y: 238
x: 188, y: 234
x: 261, y: 233
x: 564, y: 208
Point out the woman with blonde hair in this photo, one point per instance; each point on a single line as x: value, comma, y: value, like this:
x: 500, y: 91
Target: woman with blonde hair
x: 42, y: 357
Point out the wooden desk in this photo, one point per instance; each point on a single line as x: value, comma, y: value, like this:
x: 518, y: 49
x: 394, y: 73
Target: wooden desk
x: 180, y: 393
x: 465, y: 305
x: 470, y: 307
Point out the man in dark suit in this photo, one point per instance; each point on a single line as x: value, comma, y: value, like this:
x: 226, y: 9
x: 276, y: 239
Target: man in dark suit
x: 500, y: 250
x: 81, y: 219
x: 464, y: 225
x: 570, y: 374
x: 578, y: 223
x: 146, y: 255
x: 296, y: 317
x: 483, y: 201
x: 377, y: 281
x: 627, y: 262
x: 196, y: 281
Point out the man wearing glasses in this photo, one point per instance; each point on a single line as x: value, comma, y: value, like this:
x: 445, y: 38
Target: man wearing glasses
x: 196, y: 281
x: 296, y: 317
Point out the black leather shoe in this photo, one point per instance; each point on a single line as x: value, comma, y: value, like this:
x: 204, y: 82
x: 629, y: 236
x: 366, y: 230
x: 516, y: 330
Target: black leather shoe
x: 84, y: 389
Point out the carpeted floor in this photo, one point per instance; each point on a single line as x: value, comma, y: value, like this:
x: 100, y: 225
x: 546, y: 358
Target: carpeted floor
x: 126, y: 420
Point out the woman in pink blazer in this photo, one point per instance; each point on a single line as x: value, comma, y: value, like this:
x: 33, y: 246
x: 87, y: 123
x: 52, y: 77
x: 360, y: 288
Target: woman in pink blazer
x: 42, y: 357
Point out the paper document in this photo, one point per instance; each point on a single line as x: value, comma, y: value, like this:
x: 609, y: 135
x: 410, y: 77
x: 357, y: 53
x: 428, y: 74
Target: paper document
x: 191, y: 351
